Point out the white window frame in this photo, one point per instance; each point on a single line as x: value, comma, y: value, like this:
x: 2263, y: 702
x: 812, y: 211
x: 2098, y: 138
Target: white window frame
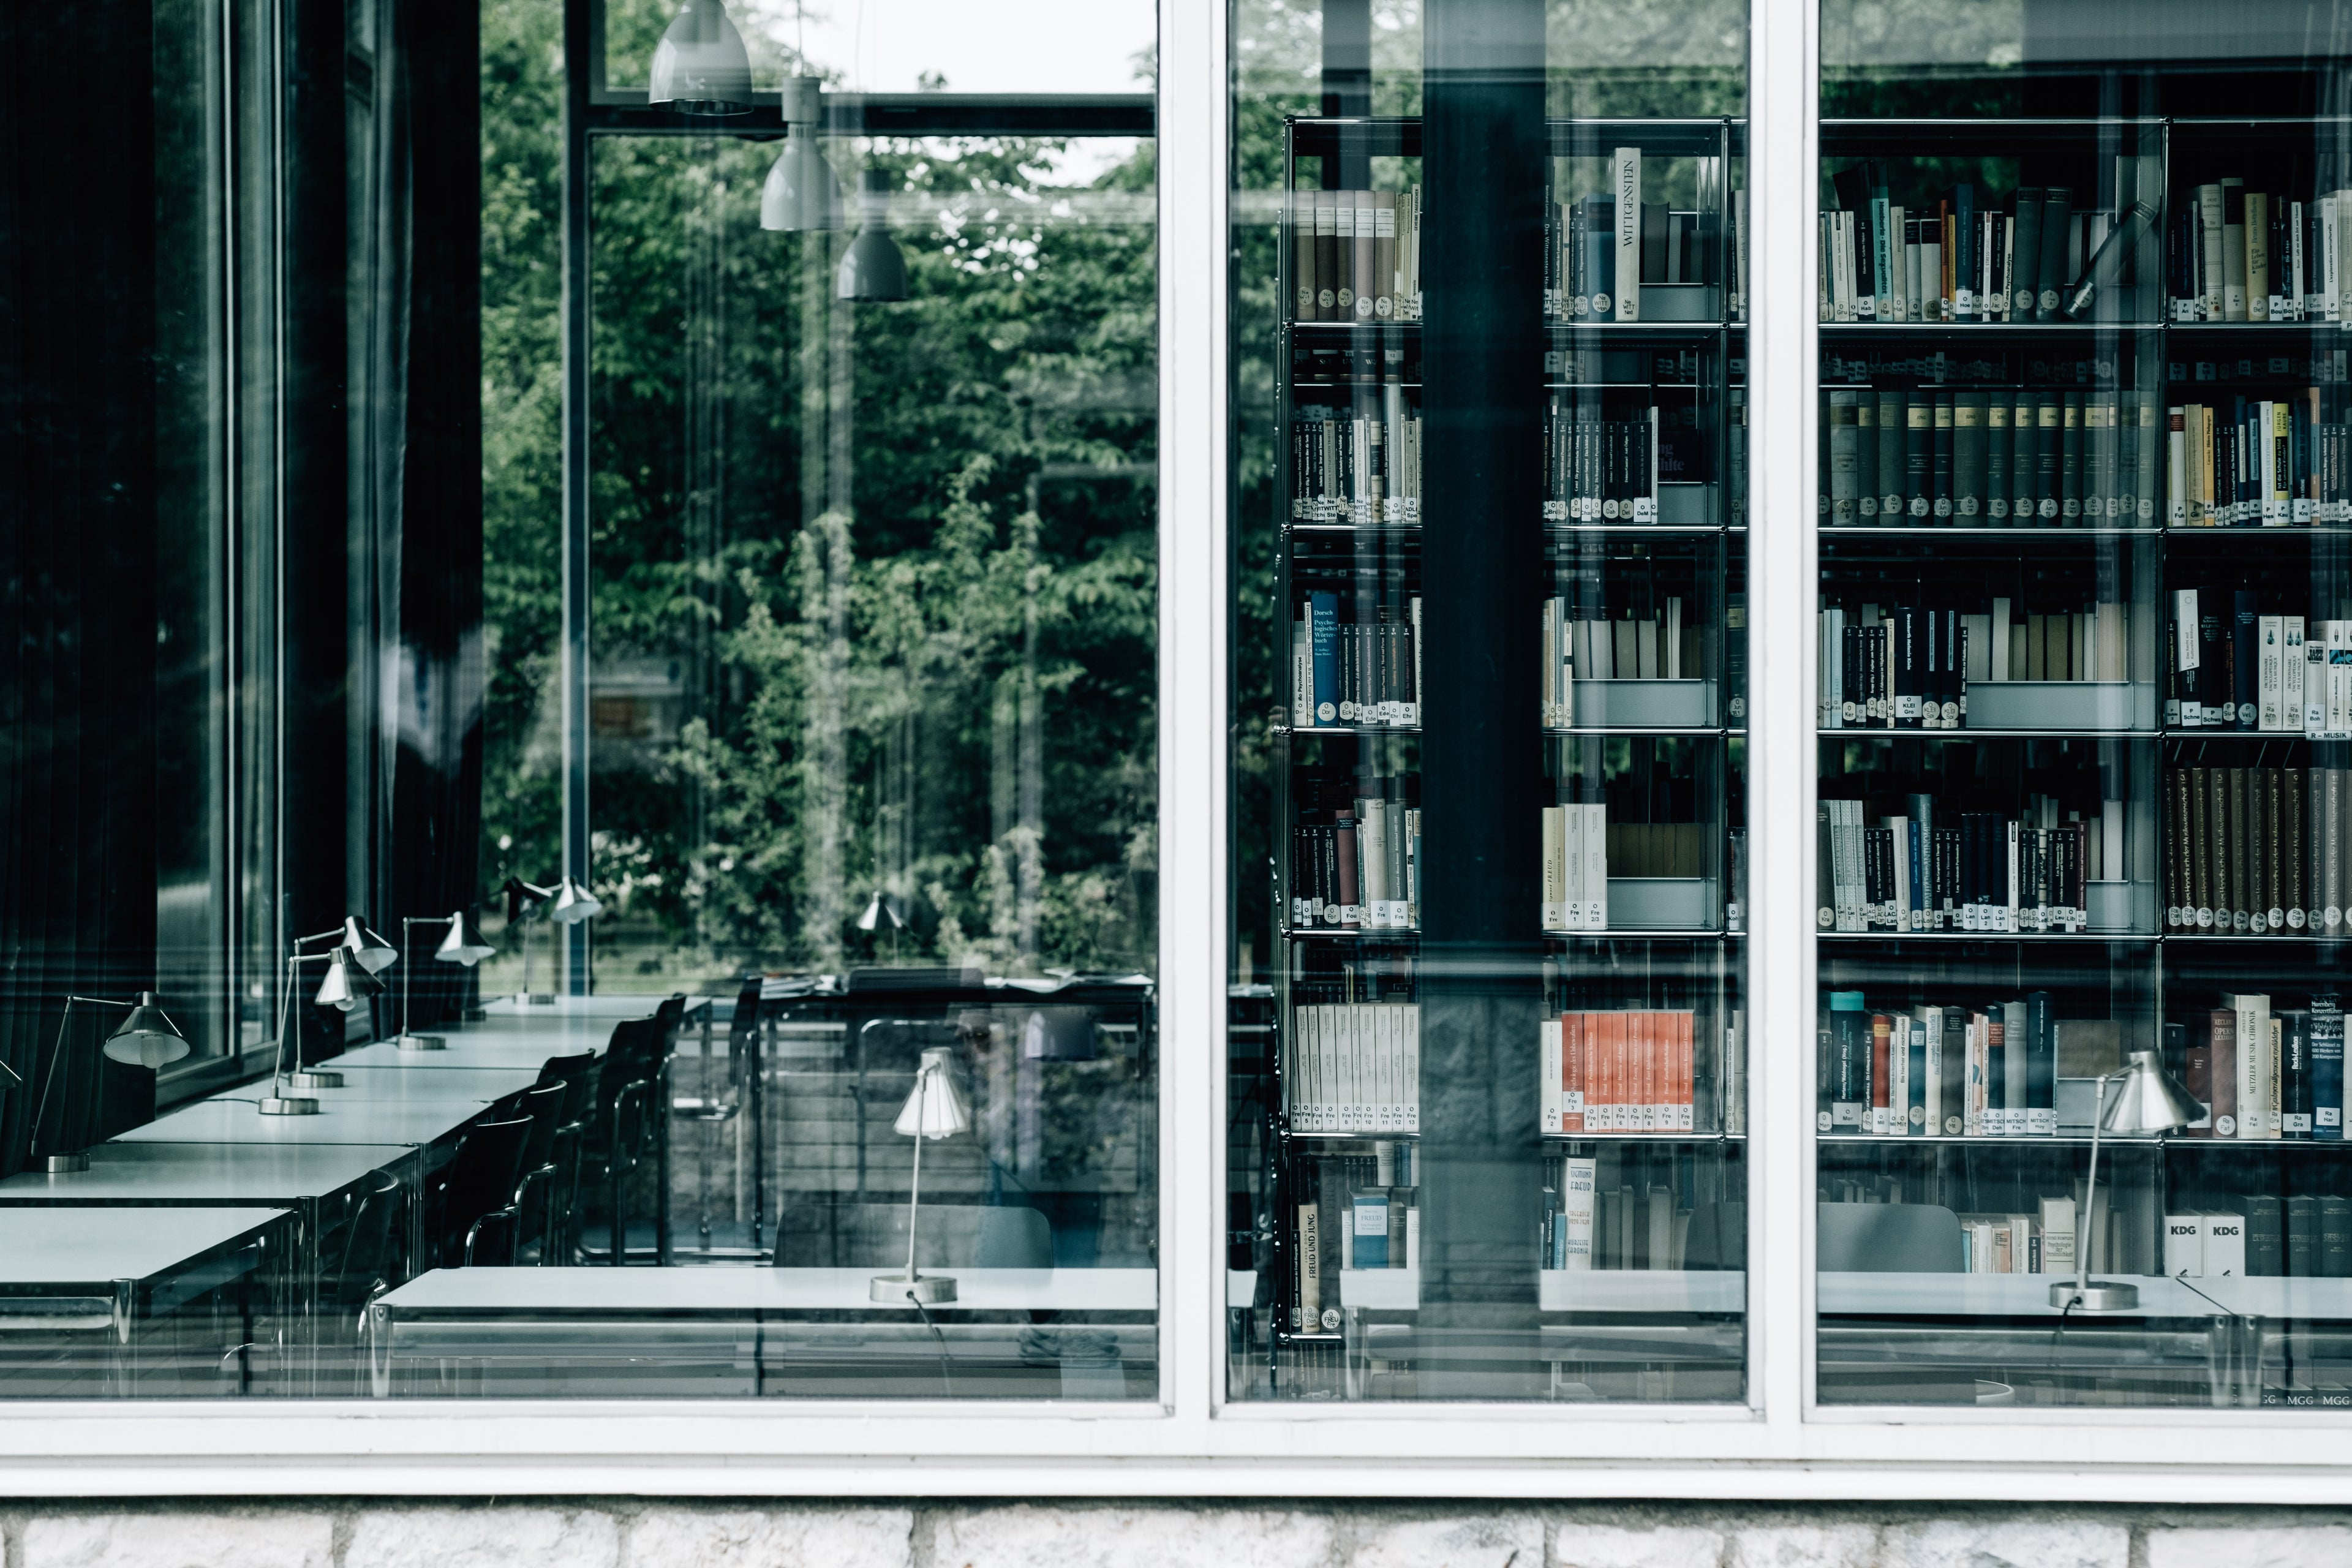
x: 1193, y: 1441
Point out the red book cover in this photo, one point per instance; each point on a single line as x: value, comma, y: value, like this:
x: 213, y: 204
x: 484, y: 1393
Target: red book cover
x: 1572, y: 1074
x: 1881, y: 1030
x: 2223, y: 1025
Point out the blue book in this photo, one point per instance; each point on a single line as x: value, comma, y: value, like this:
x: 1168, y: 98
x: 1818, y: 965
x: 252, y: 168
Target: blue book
x: 2040, y: 1066
x: 1849, y: 1061
x: 1323, y: 649
x: 2246, y: 655
x: 1369, y: 1244
x: 1600, y: 257
x: 2327, y: 1068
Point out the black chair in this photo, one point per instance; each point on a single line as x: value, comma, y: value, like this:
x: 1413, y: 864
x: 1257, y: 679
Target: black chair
x: 579, y: 1076
x: 616, y: 1137
x: 368, y: 1264
x: 534, y: 1196
x: 477, y: 1190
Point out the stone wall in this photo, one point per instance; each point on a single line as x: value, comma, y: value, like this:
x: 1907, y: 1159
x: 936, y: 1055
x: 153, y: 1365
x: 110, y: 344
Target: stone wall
x: 562, y: 1533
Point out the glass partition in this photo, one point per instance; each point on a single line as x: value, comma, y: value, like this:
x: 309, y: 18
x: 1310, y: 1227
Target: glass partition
x: 2077, y: 1068
x: 1486, y: 1079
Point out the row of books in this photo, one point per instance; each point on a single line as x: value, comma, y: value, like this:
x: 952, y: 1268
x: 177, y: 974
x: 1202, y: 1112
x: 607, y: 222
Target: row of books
x: 1355, y: 1067
x: 1957, y: 1071
x: 1600, y: 470
x: 2256, y: 256
x: 1359, y: 674
x: 1361, y: 870
x: 2258, y: 462
x: 2302, y: 1235
x: 1359, y: 464
x: 1575, y: 846
x: 1599, y: 647
x: 2233, y: 667
x: 1971, y: 257
x: 1625, y: 1228
x: 1349, y: 1212
x: 2266, y: 1074
x: 1599, y: 249
x: 1995, y: 456
x: 1355, y: 256
x: 2037, y: 1243
x: 1618, y: 1072
x: 1908, y: 667
x: 1977, y: 872
x: 2257, y: 851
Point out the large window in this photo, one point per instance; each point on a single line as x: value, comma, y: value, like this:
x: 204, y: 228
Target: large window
x: 2080, y: 1074
x: 1488, y: 1041
x: 663, y: 902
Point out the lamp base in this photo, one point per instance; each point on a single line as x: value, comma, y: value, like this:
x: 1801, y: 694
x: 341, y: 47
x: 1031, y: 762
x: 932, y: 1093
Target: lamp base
x: 312, y: 1077
x: 287, y: 1105
x: 473, y: 1015
x: 420, y: 1042
x: 2098, y: 1295
x: 891, y: 1289
x: 537, y: 998
x: 67, y: 1165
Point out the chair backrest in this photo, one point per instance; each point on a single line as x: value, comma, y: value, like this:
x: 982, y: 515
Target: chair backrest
x: 543, y: 1104
x: 579, y: 1077
x: 1888, y: 1238
x: 367, y: 1252
x: 746, y: 1016
x: 484, y: 1172
x: 1014, y: 1237
x: 564, y: 1068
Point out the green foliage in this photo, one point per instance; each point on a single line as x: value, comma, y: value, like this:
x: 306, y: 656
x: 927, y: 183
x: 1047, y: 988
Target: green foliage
x: 889, y: 570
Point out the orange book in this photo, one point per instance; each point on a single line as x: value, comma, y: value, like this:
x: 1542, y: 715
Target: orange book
x: 1687, y: 1099
x: 1571, y: 1069
x: 1611, y: 1030
x: 1645, y: 1025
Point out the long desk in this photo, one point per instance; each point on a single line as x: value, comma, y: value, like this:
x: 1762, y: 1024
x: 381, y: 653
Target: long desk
x: 349, y: 1118
x: 755, y: 1330
x: 82, y: 1289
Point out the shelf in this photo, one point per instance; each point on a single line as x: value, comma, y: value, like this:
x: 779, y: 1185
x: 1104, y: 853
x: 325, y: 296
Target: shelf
x: 2081, y: 1141
x: 1972, y: 530
x: 1614, y: 934
x: 1956, y: 936
x: 1413, y: 529
x: 1556, y: 329
x: 2028, y: 1296
x: 1347, y: 729
x: 1667, y: 1138
x: 1971, y: 733
x: 1983, y: 329
x: 1641, y: 1290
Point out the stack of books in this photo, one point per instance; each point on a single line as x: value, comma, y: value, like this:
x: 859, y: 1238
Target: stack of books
x: 1355, y: 1067
x: 1355, y: 673
x: 2267, y: 1074
x: 1355, y: 256
x: 1355, y: 463
x: 1985, y: 1071
x: 1360, y: 869
x: 1976, y: 871
x: 2258, y: 462
x: 2258, y: 256
x: 2257, y: 851
x: 1601, y: 464
x: 1990, y: 458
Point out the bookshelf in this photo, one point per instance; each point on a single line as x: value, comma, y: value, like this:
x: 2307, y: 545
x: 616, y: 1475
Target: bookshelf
x: 2097, y: 762
x: 1643, y: 726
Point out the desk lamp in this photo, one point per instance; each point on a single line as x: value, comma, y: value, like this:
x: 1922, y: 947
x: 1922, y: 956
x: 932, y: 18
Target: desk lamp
x: 2151, y: 1102
x: 146, y: 1039
x: 934, y: 1109
x: 364, y: 954
x: 522, y: 898
x: 464, y: 945
x: 347, y: 983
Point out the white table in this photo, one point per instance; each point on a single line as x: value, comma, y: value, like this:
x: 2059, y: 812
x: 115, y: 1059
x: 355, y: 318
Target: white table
x: 347, y: 1120
x: 606, y: 1004
x: 206, y: 1173
x: 101, y: 1273
x: 748, y: 1330
x: 367, y: 1081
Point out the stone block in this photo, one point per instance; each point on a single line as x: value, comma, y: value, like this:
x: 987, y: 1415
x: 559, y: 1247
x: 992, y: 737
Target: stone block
x: 2311, y: 1546
x: 485, y: 1537
x: 782, y: 1536
x: 1613, y: 1546
x: 212, y: 1538
x: 2006, y: 1543
x: 1805, y: 1546
x: 1080, y: 1536
x: 1474, y: 1540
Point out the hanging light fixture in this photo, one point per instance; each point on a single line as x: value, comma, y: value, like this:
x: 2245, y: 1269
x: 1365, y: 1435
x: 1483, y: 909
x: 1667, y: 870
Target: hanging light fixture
x: 700, y: 65
x: 873, y: 271
x: 801, y: 195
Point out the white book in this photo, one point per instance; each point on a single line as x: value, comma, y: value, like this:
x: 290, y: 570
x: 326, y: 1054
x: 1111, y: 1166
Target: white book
x: 2340, y: 259
x: 2184, y: 1245
x: 1626, y: 185
x: 2291, y: 669
x: 1572, y: 869
x: 2176, y: 465
x: 2314, y: 680
x: 2010, y: 925
x: 1899, y: 906
x: 2338, y: 645
x: 1596, y: 867
x: 1547, y: 1087
x: 2297, y: 290
x: 1999, y: 651
x: 2058, y: 1238
x: 1898, y: 1075
x: 1555, y: 868
x: 2270, y: 684
x: 1412, y: 1066
x: 2223, y: 1246
x: 1673, y: 634
x: 1576, y: 1186
x: 2254, y: 1014
x: 2111, y: 855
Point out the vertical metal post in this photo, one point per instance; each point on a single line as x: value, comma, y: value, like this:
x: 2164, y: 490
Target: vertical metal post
x: 578, y: 45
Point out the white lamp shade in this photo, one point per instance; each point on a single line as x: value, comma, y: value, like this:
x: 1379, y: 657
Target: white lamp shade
x: 465, y: 943
x: 574, y: 903
x: 348, y: 982
x: 873, y: 269
x: 369, y: 949
x: 935, y: 1107
x: 802, y: 194
x: 147, y: 1038
x: 700, y: 65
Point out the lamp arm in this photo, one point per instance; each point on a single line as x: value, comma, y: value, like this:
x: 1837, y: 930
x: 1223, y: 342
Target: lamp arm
x: 49, y: 1080
x: 914, y: 1202
x: 303, y: 941
x: 2091, y: 1189
x: 286, y: 1011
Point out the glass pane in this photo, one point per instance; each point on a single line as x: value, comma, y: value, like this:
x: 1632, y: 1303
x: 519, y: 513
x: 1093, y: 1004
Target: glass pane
x: 2078, y: 1028
x: 1487, y: 1029
x: 837, y: 1023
